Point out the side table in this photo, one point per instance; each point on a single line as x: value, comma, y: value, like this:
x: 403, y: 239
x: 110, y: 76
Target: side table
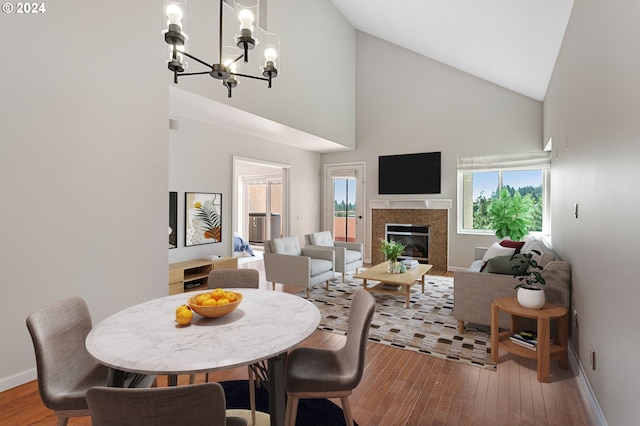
x: 546, y: 349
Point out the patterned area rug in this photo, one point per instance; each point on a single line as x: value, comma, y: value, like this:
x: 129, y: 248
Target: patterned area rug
x: 427, y: 327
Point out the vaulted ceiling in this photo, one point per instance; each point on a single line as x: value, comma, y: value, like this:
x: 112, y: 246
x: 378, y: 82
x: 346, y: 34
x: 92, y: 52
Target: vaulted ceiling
x: 512, y: 43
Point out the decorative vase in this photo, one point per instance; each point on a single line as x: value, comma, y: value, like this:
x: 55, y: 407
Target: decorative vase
x: 532, y: 298
x: 393, y: 267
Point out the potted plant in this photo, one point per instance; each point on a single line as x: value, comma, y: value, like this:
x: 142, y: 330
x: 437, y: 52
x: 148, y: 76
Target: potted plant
x: 529, y: 294
x: 511, y: 215
x: 392, y: 249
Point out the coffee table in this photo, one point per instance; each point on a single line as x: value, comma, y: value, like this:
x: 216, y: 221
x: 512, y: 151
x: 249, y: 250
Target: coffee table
x: 403, y: 281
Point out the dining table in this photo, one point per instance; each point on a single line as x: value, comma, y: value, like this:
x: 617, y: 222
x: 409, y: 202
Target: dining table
x: 145, y: 339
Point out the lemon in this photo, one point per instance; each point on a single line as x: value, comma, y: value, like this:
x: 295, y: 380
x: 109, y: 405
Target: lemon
x: 223, y: 301
x: 230, y: 296
x: 184, y: 316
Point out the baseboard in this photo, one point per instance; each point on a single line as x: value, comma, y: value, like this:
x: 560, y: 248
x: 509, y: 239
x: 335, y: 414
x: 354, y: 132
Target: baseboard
x: 7, y: 383
x: 585, y: 387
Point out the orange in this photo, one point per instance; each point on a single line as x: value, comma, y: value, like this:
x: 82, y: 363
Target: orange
x: 231, y: 296
x: 217, y: 294
x: 209, y: 302
x: 201, y: 298
x: 184, y: 316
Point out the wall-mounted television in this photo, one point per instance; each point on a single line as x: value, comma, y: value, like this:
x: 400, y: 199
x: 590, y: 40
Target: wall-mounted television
x: 409, y: 173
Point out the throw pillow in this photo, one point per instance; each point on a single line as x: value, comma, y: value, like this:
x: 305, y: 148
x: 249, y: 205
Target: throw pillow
x: 497, y: 250
x: 516, y: 264
x: 322, y: 239
x: 545, y: 256
x: 512, y: 244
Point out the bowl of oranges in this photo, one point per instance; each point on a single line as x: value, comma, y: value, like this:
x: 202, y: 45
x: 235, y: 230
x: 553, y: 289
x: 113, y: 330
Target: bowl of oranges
x: 215, y: 304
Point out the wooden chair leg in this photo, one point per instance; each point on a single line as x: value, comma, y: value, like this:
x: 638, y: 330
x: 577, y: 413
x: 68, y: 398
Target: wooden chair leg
x: 291, y: 412
x: 252, y: 394
x: 346, y: 409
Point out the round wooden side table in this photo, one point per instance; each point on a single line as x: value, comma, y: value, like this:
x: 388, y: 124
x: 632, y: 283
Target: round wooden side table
x: 545, y: 348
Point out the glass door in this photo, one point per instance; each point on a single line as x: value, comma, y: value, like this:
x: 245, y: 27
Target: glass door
x: 264, y: 201
x: 345, y: 202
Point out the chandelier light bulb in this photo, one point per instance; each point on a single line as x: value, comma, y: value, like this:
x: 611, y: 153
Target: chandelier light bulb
x: 246, y: 19
x: 174, y: 13
x: 270, y: 54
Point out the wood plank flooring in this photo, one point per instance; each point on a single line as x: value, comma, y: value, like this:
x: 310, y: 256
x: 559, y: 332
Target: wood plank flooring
x: 401, y: 388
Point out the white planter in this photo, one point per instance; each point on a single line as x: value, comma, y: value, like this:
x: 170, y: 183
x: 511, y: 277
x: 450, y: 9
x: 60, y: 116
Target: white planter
x: 531, y: 298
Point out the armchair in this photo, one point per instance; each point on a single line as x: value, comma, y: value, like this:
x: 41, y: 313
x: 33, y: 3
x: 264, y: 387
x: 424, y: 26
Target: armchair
x: 286, y: 263
x: 349, y: 256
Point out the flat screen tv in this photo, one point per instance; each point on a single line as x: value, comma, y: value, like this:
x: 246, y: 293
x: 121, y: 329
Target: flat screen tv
x: 409, y: 173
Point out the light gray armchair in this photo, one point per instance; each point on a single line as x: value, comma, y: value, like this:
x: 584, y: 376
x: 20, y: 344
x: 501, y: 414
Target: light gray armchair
x: 349, y: 256
x: 286, y: 263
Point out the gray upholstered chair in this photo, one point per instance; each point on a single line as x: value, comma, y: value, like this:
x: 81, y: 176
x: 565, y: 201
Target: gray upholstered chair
x: 233, y: 278
x: 333, y: 373
x: 65, y: 369
x: 193, y: 405
x: 286, y: 263
x: 349, y: 255
x: 239, y: 278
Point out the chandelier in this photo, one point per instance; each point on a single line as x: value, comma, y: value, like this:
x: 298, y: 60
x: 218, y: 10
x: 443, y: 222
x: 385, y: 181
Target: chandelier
x: 247, y: 37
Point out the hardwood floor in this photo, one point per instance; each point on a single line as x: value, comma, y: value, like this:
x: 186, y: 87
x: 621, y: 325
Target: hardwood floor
x: 402, y: 388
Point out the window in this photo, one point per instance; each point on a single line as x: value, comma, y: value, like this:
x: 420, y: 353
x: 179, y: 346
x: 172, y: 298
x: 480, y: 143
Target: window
x: 481, y: 178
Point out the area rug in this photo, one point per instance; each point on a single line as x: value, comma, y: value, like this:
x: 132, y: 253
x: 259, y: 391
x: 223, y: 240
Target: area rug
x: 426, y: 327
x: 311, y: 412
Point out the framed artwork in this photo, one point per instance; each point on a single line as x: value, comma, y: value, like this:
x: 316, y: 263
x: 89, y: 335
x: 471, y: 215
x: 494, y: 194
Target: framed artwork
x: 203, y: 218
x: 173, y: 220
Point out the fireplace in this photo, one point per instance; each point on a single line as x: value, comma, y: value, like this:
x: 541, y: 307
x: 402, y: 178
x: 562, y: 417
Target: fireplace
x: 414, y: 237
x: 433, y: 213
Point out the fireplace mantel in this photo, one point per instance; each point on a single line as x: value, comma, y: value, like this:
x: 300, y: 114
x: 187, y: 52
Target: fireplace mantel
x: 442, y: 204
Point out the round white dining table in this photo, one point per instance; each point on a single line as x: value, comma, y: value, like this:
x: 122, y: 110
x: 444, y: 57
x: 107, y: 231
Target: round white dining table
x: 146, y: 339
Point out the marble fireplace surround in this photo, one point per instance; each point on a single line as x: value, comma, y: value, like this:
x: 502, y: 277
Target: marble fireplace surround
x: 434, y: 213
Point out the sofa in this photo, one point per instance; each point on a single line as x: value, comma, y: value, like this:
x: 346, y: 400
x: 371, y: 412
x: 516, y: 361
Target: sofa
x: 475, y: 288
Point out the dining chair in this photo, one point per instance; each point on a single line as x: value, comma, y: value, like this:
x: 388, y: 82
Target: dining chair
x: 349, y: 256
x: 64, y: 367
x: 193, y: 405
x: 239, y: 278
x: 331, y: 373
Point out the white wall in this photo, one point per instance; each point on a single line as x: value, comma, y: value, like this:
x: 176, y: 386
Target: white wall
x: 427, y: 106
x: 592, y: 108
x: 83, y: 169
x: 201, y: 160
x: 315, y: 90
x: 85, y: 148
